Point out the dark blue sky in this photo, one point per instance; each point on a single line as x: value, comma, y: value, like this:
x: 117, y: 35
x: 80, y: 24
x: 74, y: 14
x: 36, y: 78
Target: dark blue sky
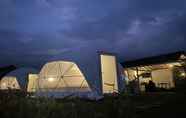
x: 33, y: 31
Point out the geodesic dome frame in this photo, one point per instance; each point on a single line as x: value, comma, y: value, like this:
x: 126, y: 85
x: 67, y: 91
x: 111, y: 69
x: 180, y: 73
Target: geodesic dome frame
x: 62, y: 76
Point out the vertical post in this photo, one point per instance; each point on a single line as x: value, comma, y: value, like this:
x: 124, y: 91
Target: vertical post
x: 128, y: 75
x: 138, y: 81
x: 184, y: 66
x: 100, y: 74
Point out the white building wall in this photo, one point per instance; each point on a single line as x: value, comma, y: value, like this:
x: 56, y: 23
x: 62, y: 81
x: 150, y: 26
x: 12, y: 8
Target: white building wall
x: 163, y: 78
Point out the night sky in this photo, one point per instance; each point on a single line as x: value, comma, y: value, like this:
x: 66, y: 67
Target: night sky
x: 33, y: 31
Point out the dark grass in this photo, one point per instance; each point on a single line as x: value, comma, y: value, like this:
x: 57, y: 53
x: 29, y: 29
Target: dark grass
x: 148, y: 105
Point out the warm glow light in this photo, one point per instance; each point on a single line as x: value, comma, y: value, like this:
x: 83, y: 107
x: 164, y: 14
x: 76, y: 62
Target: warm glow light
x: 50, y: 79
x: 4, y: 84
x: 170, y: 65
x: 135, y: 73
x: 183, y: 74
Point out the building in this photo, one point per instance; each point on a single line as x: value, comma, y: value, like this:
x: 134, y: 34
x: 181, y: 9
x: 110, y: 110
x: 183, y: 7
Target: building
x: 159, y: 69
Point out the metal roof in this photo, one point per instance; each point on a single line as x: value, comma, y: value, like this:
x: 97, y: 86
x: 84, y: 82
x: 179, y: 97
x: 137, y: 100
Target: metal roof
x: 160, y: 59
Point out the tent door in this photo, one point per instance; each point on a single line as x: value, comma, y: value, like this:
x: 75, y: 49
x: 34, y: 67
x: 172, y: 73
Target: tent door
x: 108, y: 73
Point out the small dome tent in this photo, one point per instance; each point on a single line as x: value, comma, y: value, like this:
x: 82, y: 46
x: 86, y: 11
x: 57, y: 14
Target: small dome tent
x: 16, y: 79
x: 85, y: 75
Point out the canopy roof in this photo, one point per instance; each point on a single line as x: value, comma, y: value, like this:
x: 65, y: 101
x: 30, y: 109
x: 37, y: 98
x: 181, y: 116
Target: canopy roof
x: 160, y: 59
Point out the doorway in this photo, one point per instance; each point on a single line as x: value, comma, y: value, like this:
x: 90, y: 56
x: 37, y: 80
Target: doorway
x: 109, y: 73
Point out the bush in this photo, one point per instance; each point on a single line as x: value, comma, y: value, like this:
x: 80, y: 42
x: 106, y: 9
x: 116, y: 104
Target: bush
x: 122, y: 106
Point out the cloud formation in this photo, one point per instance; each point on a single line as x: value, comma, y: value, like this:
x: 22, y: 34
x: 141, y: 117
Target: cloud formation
x: 41, y: 29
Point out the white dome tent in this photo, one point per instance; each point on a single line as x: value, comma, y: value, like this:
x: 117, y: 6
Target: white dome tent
x: 83, y: 76
x: 62, y: 77
x: 16, y: 79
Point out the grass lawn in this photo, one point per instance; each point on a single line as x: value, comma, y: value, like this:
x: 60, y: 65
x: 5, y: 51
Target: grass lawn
x: 154, y: 105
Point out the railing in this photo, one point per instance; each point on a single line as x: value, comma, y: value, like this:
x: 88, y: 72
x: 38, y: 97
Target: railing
x: 165, y: 85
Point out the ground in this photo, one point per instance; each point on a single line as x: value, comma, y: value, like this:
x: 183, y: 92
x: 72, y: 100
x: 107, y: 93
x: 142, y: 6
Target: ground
x: 148, y: 105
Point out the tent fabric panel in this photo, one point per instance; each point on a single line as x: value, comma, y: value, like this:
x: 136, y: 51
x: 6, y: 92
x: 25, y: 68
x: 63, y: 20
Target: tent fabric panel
x: 21, y: 75
x: 32, y: 82
x: 9, y: 82
x: 62, y: 76
x: 89, y: 66
x: 121, y: 78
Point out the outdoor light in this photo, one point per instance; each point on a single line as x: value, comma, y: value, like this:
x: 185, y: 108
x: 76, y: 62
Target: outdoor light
x: 4, y: 84
x: 170, y: 65
x: 183, y: 74
x: 135, y: 73
x: 50, y: 79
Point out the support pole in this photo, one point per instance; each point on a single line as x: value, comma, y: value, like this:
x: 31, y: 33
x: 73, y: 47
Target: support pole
x: 138, y: 81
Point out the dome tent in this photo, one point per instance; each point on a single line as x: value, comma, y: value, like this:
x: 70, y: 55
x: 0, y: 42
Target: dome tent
x: 62, y: 77
x: 16, y: 79
x: 92, y: 66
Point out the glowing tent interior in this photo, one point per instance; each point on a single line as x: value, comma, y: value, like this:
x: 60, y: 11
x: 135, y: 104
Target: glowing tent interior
x: 62, y: 76
x: 32, y: 83
x: 16, y: 79
x: 89, y: 78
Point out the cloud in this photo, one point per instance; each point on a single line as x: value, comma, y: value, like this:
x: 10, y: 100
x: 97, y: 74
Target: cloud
x: 40, y: 29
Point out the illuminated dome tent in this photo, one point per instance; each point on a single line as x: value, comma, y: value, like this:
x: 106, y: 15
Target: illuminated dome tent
x: 83, y: 76
x: 62, y: 76
x: 16, y: 79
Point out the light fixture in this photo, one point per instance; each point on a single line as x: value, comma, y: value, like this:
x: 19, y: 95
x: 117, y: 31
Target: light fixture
x: 4, y: 84
x: 50, y: 79
x: 171, y: 65
x: 135, y: 73
x: 183, y: 74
